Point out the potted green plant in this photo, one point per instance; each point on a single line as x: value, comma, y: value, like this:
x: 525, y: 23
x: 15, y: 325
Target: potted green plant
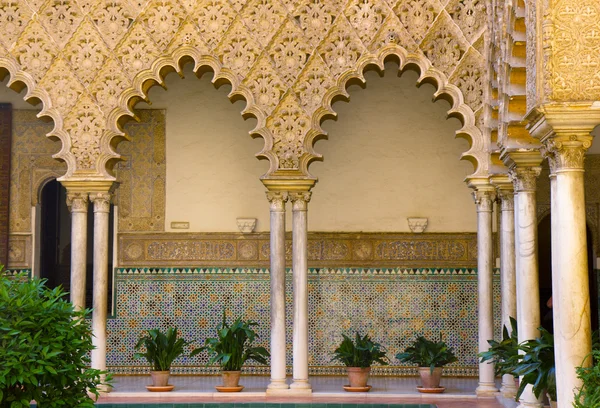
x: 358, y: 356
x: 430, y: 357
x: 44, y: 345
x: 536, y: 366
x: 588, y: 395
x: 231, y: 349
x: 161, y: 349
x: 505, y: 353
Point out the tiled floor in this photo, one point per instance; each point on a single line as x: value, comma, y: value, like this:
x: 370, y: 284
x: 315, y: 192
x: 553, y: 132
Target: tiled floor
x: 460, y: 392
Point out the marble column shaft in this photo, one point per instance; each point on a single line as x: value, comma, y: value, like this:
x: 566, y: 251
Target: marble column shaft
x: 101, y: 202
x: 526, y: 262
x: 507, y: 274
x: 300, y: 267
x: 570, y: 282
x: 277, y: 268
x: 484, y: 200
x: 78, y: 204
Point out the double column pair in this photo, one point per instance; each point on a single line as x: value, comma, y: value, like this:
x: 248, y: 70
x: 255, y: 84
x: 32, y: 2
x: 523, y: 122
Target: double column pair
x: 78, y: 204
x: 518, y: 263
x: 300, y: 382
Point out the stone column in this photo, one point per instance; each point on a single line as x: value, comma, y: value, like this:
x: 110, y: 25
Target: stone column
x: 507, y: 273
x: 101, y: 202
x: 78, y: 205
x: 528, y: 298
x: 484, y: 197
x: 300, y: 266
x: 570, y: 284
x: 277, y: 258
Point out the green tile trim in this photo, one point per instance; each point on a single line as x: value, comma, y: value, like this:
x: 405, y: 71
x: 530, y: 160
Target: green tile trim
x: 433, y: 271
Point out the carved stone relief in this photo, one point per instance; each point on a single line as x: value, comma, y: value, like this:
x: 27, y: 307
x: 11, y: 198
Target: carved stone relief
x: 324, y: 249
x: 141, y: 194
x: 31, y: 166
x: 87, y: 61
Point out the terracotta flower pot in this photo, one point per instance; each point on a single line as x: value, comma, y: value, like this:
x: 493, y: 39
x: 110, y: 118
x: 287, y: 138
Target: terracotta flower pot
x: 160, y: 378
x: 231, y: 378
x: 358, y: 377
x: 429, y: 379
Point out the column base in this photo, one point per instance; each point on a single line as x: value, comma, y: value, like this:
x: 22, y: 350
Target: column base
x: 486, y: 390
x: 524, y: 404
x: 508, y: 391
x: 300, y: 387
x: 280, y: 384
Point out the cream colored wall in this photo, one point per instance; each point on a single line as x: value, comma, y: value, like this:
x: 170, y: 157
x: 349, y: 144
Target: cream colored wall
x: 390, y: 155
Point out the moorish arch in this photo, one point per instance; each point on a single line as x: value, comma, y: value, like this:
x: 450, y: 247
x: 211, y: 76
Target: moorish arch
x: 477, y: 154
x: 289, y: 118
x: 90, y: 62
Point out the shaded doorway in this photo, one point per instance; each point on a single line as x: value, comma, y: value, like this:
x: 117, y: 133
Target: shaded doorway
x: 55, y: 242
x: 545, y: 271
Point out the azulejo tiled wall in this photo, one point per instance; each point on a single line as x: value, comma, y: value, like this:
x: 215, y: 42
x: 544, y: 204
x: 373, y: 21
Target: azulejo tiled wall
x: 393, y: 305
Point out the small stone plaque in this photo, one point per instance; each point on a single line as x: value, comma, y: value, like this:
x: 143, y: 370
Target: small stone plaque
x: 180, y: 225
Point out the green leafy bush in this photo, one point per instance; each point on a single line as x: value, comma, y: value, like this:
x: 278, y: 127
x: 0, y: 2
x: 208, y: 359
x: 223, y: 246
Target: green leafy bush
x: 233, y: 345
x: 589, y: 393
x: 161, y: 349
x: 536, y: 365
x: 427, y: 353
x: 44, y: 347
x: 363, y: 352
x: 504, y: 354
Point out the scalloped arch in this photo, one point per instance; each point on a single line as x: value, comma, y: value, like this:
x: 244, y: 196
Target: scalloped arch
x: 20, y: 79
x: 476, y: 154
x: 162, y: 66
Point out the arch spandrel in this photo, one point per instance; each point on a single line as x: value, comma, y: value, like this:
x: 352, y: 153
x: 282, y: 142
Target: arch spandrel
x: 287, y: 59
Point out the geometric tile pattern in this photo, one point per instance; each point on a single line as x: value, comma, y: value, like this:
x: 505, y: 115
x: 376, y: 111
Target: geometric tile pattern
x: 391, y: 304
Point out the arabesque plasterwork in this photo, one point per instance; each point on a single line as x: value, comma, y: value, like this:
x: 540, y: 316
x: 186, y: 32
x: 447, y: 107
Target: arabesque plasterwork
x: 32, y: 166
x: 141, y: 196
x: 89, y: 62
x: 324, y: 249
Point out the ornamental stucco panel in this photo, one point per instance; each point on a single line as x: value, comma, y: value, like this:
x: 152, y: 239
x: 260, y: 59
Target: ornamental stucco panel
x: 89, y: 62
x: 141, y: 194
x: 563, y: 51
x: 32, y: 166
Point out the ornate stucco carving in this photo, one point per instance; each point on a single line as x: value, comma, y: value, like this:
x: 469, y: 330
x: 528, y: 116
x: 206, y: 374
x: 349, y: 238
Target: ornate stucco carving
x: 324, y: 249
x: 562, y: 51
x: 31, y: 167
x: 90, y: 61
x: 141, y: 194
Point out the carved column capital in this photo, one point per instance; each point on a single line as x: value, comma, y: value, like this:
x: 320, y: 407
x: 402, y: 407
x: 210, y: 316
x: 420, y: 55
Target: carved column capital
x: 566, y: 153
x: 101, y: 200
x: 507, y: 199
x: 484, y: 200
x: 277, y: 200
x: 77, y: 202
x: 524, y: 178
x: 300, y: 200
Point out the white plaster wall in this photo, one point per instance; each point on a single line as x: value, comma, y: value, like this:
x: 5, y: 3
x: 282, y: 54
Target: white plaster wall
x: 390, y: 155
x: 212, y: 172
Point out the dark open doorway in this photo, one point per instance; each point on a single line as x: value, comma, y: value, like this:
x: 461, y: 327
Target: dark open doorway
x: 55, y: 241
x: 545, y: 270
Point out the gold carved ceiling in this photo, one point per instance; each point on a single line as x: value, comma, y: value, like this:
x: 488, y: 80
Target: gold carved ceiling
x: 89, y: 62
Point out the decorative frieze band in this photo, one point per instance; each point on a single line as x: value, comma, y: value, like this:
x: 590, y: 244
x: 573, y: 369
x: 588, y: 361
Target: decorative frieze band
x: 324, y: 249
